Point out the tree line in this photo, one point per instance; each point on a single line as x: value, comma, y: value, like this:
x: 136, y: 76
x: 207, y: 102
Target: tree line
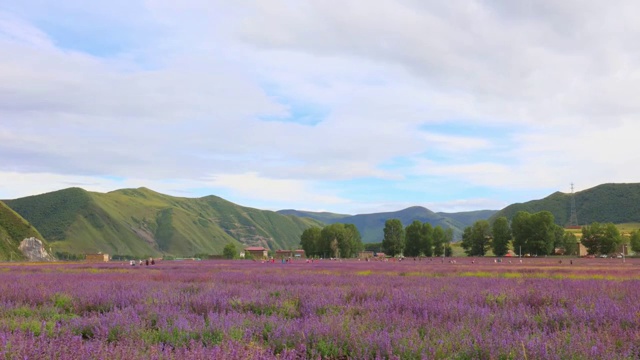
x: 534, y: 234
x: 343, y: 240
x: 538, y: 234
x: 417, y: 239
x: 335, y: 240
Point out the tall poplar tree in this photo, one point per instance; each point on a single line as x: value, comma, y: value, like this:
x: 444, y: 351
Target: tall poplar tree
x: 501, y: 236
x: 414, y: 241
x: 393, y: 241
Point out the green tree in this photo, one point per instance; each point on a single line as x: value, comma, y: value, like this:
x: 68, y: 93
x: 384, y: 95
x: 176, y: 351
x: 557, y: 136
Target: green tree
x: 393, y: 241
x: 310, y: 241
x: 330, y: 237
x: 476, y: 239
x: 467, y: 240
x: 448, y: 238
x: 427, y: 239
x: 558, y: 237
x: 438, y: 241
x: 230, y: 251
x: 543, y: 233
x: 501, y: 236
x: 601, y: 238
x: 339, y: 240
x: 635, y: 241
x: 448, y: 251
x: 352, y: 243
x: 520, y: 225
x: 414, y: 241
x: 533, y: 233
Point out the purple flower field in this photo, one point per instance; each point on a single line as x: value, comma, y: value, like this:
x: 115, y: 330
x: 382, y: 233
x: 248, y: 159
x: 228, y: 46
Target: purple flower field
x: 539, y: 309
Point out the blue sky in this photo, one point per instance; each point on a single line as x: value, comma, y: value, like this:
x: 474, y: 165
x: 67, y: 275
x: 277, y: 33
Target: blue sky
x: 342, y: 106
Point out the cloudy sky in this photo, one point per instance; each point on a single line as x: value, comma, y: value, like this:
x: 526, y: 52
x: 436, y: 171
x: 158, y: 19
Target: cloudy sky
x: 345, y: 106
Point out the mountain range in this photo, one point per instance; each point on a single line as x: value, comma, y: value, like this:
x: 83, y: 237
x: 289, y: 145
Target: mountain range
x: 371, y: 225
x: 142, y: 222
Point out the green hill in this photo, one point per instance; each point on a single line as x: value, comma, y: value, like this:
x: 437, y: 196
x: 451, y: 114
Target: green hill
x: 371, y: 225
x: 143, y: 222
x: 615, y: 203
x: 14, y: 229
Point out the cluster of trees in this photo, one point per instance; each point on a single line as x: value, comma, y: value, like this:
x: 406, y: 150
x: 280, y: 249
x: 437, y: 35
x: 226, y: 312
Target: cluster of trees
x: 528, y: 233
x: 535, y: 234
x: 417, y: 239
x: 335, y: 240
x: 601, y: 238
x: 538, y: 234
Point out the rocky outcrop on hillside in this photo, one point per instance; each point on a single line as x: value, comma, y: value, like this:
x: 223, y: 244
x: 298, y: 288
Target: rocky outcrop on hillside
x: 33, y: 250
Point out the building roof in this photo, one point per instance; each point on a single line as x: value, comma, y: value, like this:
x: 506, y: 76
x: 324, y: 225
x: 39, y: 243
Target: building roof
x: 255, y: 248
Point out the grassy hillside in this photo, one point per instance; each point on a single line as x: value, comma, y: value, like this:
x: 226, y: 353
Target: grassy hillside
x: 616, y: 203
x: 143, y: 222
x: 13, y: 229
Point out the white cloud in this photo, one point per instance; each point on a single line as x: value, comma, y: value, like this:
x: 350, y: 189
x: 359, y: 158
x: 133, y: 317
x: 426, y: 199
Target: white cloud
x: 186, y: 95
x: 251, y: 185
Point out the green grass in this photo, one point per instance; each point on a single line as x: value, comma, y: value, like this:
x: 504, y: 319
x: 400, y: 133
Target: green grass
x: 14, y: 229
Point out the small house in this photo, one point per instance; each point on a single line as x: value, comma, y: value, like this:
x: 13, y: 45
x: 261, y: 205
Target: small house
x: 96, y: 258
x: 257, y: 252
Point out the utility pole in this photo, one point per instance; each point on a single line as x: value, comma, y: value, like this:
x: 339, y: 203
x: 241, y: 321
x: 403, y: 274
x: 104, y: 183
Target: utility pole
x: 573, y: 219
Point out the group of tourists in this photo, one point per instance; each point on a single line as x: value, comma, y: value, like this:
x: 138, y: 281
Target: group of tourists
x: 147, y: 262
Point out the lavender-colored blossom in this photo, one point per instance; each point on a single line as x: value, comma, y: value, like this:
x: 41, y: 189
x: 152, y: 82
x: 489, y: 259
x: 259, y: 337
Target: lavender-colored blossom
x: 322, y: 310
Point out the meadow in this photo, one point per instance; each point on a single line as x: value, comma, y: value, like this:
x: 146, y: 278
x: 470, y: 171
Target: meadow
x: 428, y: 309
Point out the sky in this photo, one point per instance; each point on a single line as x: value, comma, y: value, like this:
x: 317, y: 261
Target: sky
x: 342, y: 106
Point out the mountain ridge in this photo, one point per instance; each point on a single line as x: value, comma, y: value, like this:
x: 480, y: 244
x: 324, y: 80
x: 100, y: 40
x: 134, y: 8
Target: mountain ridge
x: 371, y: 225
x: 144, y: 222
